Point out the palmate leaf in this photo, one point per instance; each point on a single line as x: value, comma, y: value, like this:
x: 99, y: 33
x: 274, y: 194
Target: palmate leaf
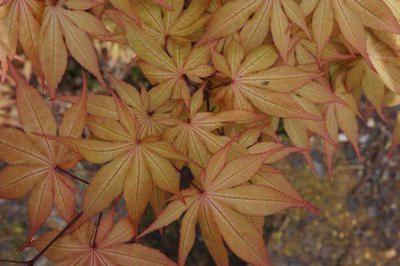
x: 351, y: 17
x: 223, y: 204
x: 20, y: 21
x: 168, y: 18
x: 104, y: 245
x: 35, y: 162
x: 136, y: 163
x: 170, y: 70
x: 254, y: 82
x: 230, y: 18
x: 193, y: 134
x: 72, y: 26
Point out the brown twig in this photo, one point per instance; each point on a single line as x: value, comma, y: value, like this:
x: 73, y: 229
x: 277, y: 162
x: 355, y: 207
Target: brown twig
x: 72, y: 175
x: 32, y: 261
x: 97, y: 228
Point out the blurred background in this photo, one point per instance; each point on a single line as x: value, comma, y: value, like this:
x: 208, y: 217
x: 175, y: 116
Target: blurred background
x: 360, y: 218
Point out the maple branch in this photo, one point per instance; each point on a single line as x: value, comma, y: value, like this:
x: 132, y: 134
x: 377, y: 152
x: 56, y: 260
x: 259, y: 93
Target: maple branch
x: 32, y: 261
x: 196, y: 187
x: 189, y: 82
x: 72, y: 175
x: 59, y: 235
x: 97, y: 228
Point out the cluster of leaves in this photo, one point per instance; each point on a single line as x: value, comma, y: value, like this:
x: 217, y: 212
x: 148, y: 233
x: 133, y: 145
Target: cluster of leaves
x: 225, y: 77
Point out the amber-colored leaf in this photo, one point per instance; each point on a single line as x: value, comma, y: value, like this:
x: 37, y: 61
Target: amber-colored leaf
x: 103, y: 245
x: 230, y: 17
x: 222, y: 204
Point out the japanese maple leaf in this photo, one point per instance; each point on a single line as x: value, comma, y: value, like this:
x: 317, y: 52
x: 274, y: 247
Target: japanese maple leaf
x: 152, y: 115
x: 152, y: 118
x: 134, y: 165
x: 352, y: 17
x: 38, y: 164
x: 104, y: 245
x: 341, y: 116
x: 172, y: 70
x: 63, y: 30
x: 223, y: 204
x: 174, y: 20
x: 275, y: 14
x: 193, y: 134
x: 20, y: 20
x: 253, y: 82
x: 303, y: 52
x: 283, y: 13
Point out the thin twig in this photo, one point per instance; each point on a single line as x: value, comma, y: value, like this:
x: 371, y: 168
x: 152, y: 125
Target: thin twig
x: 32, y: 261
x: 97, y: 228
x: 72, y: 175
x: 59, y: 235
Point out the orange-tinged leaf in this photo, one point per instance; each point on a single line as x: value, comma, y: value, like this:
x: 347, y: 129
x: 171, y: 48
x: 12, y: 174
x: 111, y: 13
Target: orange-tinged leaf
x: 126, y: 117
x: 352, y: 28
x: 189, y: 17
x: 164, y: 174
x: 376, y: 15
x: 230, y: 17
x: 317, y: 93
x: 295, y: 14
x: 147, y: 49
x: 138, y: 188
x: 81, y: 4
x: 128, y: 93
x: 16, y: 181
x: 106, y: 185
x: 276, y: 104
x: 87, y: 22
x: 9, y: 33
x: 126, y: 7
x: 231, y: 175
x: 61, y: 249
x: 28, y: 33
x: 120, y: 233
x: 280, y: 78
x: 234, y: 55
x: 17, y: 148
x: 172, y: 212
x: 255, y: 30
x: 165, y: 150
x: 74, y: 119
x: 322, y: 24
x: 387, y: 71
x: 86, y: 247
x: 35, y: 115
x: 187, y: 232
x: 137, y: 255
x: 40, y: 204
x: 374, y: 89
x: 279, y: 29
x: 64, y: 197
x: 297, y: 132
x: 80, y: 46
x: 258, y: 200
x: 97, y: 151
x: 262, y: 57
x: 348, y: 123
x: 52, y: 50
x: 211, y: 235
x: 240, y: 234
